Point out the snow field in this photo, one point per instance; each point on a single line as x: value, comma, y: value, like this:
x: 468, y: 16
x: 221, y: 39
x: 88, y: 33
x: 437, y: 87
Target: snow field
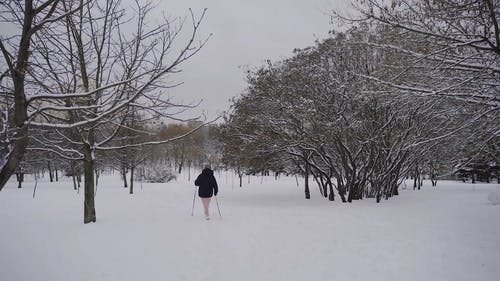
x: 268, y: 232
x: 494, y: 197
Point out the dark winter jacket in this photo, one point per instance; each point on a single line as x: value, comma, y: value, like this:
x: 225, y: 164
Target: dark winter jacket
x: 207, y: 183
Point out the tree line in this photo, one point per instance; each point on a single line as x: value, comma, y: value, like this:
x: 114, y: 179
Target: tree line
x: 156, y: 163
x: 409, y: 88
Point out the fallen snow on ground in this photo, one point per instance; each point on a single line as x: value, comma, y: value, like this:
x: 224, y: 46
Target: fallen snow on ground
x: 494, y: 197
x: 268, y: 231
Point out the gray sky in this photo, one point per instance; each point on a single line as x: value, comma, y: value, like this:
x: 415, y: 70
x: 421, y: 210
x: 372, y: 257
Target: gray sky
x: 245, y: 35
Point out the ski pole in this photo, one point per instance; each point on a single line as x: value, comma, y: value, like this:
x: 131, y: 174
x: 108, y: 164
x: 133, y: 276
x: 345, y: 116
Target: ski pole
x: 194, y: 196
x: 217, y: 201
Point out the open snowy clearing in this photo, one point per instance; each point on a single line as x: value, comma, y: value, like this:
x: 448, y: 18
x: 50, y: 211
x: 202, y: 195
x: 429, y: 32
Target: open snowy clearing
x: 268, y: 231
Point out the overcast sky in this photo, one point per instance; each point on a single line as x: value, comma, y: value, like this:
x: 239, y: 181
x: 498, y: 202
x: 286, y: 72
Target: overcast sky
x: 244, y: 35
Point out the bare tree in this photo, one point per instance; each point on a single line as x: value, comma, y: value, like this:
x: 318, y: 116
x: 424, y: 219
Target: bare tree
x: 24, y: 19
x: 94, y: 67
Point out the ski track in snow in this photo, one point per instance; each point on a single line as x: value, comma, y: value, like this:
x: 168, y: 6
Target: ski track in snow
x: 268, y: 232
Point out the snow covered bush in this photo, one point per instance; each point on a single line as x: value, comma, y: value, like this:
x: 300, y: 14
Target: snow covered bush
x: 155, y: 173
x: 494, y: 197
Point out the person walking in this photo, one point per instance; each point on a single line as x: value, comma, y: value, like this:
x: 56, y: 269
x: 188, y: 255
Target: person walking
x: 207, y: 187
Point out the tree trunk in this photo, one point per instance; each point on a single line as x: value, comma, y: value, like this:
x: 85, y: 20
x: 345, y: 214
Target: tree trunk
x: 341, y: 189
x: 331, y: 196
x: 78, y: 180
x: 306, y: 183
x: 15, y: 157
x: 323, y: 185
x: 51, y: 174
x: 352, y: 190
x: 20, y: 179
x: 74, y: 178
x: 20, y: 114
x: 395, y: 190
x: 124, y: 177
x: 57, y: 174
x: 97, y: 177
x: 433, y: 180
x: 88, y: 170
x: 132, y: 180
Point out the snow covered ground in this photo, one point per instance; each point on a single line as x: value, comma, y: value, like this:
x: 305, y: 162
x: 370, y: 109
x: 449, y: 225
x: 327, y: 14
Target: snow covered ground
x: 268, y: 232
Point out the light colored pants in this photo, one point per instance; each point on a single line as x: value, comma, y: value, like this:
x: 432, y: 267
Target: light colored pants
x: 206, y: 204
